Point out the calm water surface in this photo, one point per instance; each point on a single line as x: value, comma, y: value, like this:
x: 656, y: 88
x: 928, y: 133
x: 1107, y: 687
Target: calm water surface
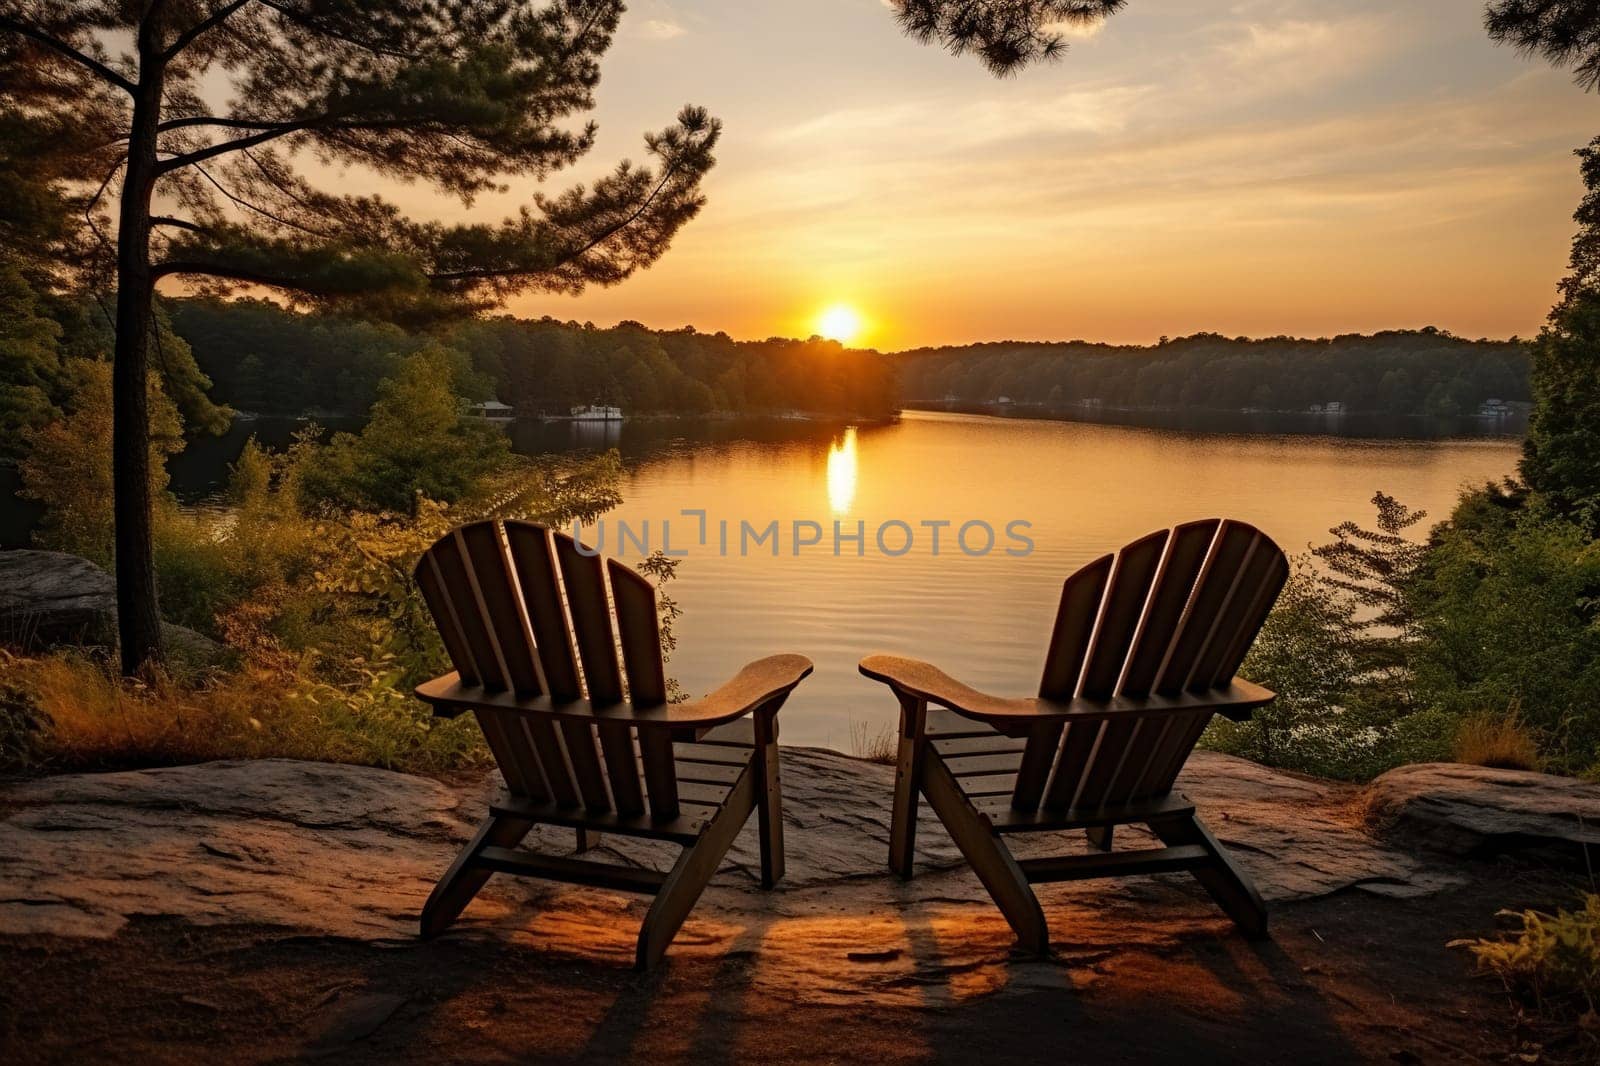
x: 1085, y: 489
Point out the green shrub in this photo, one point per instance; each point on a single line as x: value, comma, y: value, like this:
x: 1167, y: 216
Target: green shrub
x: 1508, y: 605
x: 1550, y: 964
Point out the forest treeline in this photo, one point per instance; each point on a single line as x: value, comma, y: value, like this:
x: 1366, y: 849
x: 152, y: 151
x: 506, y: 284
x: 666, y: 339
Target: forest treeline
x: 262, y: 358
x: 265, y: 359
x: 1403, y: 372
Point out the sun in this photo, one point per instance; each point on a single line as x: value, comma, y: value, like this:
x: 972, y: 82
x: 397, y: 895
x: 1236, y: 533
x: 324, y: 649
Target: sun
x: 839, y: 322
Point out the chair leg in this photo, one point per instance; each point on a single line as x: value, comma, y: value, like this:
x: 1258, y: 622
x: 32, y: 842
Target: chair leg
x: 463, y: 879
x: 907, y: 786
x: 769, y: 795
x: 1100, y: 836
x: 691, y: 873
x: 1227, y: 883
x: 989, y: 857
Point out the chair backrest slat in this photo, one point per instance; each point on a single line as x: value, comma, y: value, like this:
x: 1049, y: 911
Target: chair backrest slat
x: 514, y: 755
x: 1077, y: 747
x: 460, y: 590
x: 534, y: 561
x: 431, y: 582
x: 639, y: 629
x: 1081, y: 596
x: 1250, y: 620
x: 1033, y: 773
x: 1069, y: 640
x: 660, y: 775
x: 1186, y: 732
x: 1109, y: 758
x: 579, y: 740
x: 1186, y: 551
x: 1213, y: 588
x: 484, y: 553
x: 622, y: 769
x: 585, y: 580
x: 1119, y: 619
x: 552, y: 759
x: 1176, y: 611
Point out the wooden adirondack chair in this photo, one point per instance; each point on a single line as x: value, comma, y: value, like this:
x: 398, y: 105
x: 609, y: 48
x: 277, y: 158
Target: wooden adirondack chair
x: 1143, y: 653
x: 590, y: 742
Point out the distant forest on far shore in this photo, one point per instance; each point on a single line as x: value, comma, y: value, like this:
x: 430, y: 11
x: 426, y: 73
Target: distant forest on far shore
x: 1401, y: 372
x: 268, y: 360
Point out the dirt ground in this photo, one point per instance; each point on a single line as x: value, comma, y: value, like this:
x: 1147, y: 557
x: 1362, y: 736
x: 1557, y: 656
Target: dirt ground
x: 1347, y: 978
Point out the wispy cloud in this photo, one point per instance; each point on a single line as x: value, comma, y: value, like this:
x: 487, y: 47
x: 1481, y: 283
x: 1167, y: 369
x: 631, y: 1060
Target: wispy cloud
x: 660, y: 30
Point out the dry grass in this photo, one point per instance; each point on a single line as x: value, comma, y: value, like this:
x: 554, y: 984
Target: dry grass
x: 1497, y: 740
x: 874, y: 744
x: 83, y: 717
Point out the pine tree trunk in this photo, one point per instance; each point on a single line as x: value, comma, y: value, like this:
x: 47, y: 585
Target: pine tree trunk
x: 138, y: 611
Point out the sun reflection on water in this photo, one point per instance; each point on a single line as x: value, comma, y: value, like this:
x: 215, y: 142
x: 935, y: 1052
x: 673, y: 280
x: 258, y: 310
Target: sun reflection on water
x: 842, y: 472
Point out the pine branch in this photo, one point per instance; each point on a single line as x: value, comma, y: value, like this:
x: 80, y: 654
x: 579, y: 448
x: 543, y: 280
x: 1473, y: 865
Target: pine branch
x: 187, y: 37
x: 177, y: 223
x: 65, y: 49
x: 578, y: 253
x: 263, y: 212
x: 233, y: 273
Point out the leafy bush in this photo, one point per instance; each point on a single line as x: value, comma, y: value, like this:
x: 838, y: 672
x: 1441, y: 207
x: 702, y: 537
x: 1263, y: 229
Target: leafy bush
x: 1508, y: 606
x: 414, y: 444
x: 1336, y: 650
x: 1551, y: 964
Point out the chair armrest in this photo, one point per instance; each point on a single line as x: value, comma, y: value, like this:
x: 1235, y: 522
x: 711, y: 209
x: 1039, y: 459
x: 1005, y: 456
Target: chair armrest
x: 923, y: 681
x: 758, y: 683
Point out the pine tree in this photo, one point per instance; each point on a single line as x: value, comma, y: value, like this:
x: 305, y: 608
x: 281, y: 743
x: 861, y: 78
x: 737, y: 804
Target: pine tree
x: 462, y: 96
x: 1561, y: 456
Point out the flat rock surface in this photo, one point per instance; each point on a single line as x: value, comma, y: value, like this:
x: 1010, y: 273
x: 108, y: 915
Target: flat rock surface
x: 1479, y: 810
x: 352, y: 852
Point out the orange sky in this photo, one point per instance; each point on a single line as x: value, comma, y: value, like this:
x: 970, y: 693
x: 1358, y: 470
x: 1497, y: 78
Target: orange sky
x: 1259, y: 167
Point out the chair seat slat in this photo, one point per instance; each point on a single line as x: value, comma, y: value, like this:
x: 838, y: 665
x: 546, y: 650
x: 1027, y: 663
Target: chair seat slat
x: 714, y: 754
x: 992, y: 744
x: 973, y: 765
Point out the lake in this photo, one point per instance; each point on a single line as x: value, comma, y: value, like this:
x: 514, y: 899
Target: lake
x: 1082, y: 489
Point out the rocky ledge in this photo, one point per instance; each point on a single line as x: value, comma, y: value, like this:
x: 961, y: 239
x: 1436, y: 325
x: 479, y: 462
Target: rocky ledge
x: 351, y: 852
x: 1475, y: 811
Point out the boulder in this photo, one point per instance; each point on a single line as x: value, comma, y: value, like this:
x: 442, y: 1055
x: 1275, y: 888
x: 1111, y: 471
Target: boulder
x: 49, y: 599
x: 1478, y: 810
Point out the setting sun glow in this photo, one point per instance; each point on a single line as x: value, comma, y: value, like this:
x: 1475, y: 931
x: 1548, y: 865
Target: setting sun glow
x: 840, y: 322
